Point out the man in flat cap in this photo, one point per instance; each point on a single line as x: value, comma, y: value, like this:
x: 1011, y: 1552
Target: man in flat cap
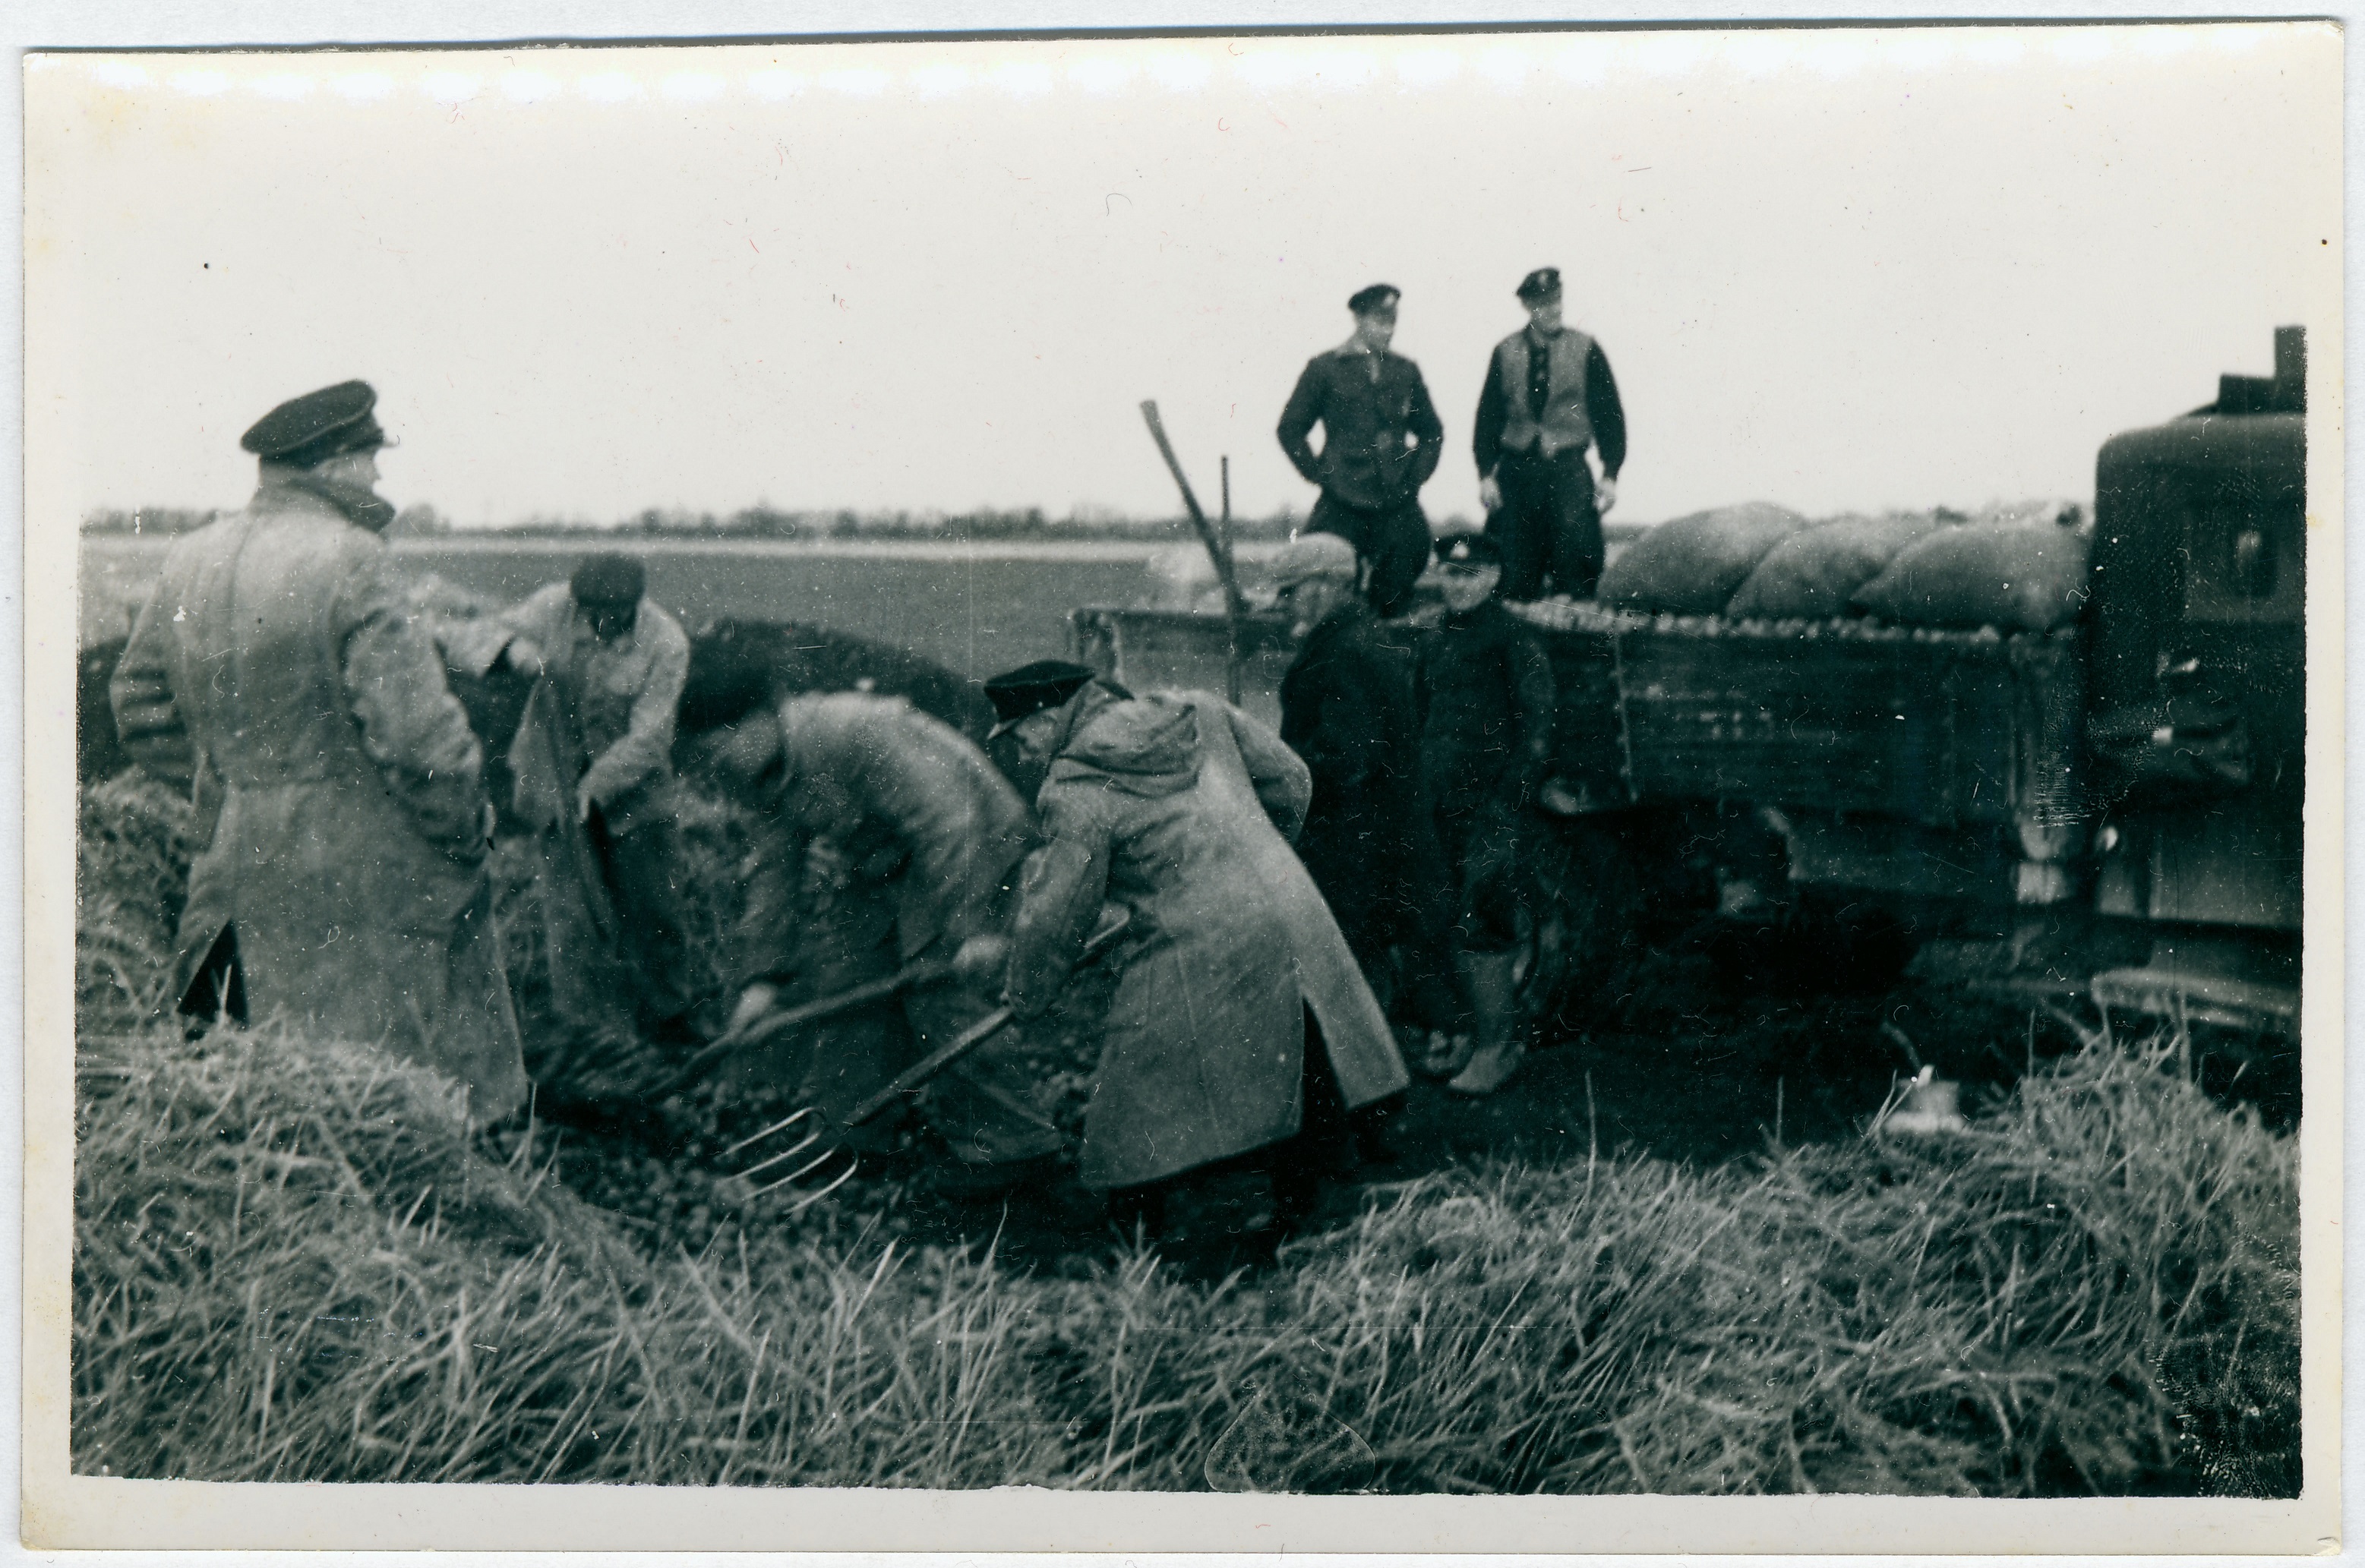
x: 1241, y: 1034
x: 277, y: 673
x: 592, y: 757
x: 1484, y: 693
x: 1369, y: 841
x: 1381, y: 441
x: 884, y: 838
x: 1549, y: 397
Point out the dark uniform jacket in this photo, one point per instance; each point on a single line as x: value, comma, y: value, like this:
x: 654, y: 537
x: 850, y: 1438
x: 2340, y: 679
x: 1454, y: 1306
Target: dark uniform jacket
x: 1347, y: 709
x: 1484, y: 694
x: 1381, y: 438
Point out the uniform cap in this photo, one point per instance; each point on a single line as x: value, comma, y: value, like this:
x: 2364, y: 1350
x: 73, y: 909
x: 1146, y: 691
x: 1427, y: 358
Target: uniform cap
x: 609, y: 579
x: 1539, y: 285
x: 1378, y: 296
x: 307, y: 431
x: 1467, y: 552
x: 1023, y: 692
x: 1311, y: 555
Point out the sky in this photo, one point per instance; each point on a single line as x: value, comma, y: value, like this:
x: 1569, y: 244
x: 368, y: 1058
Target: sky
x: 1834, y: 268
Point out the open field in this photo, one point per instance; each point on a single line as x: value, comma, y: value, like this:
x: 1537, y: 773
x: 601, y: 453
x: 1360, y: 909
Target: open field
x: 974, y: 609
x: 294, y: 1262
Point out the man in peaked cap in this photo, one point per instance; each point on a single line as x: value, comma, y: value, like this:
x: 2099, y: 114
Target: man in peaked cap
x: 1381, y: 441
x: 1549, y: 397
x: 1241, y: 1034
x: 277, y: 674
x: 592, y: 760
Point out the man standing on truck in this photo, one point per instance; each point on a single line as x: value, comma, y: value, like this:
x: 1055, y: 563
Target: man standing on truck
x: 1549, y: 396
x: 1369, y: 841
x: 1381, y: 441
x: 1242, y: 1037
x: 278, y: 674
x: 1484, y: 695
x: 592, y: 757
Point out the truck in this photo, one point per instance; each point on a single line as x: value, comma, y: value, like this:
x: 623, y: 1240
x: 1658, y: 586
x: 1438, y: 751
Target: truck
x: 2109, y: 812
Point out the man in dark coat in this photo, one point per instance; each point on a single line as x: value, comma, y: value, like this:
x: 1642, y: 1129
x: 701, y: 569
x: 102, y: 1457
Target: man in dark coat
x: 1484, y: 694
x: 1381, y: 441
x: 279, y: 675
x: 1369, y: 841
x: 1549, y: 397
x: 1239, y: 1016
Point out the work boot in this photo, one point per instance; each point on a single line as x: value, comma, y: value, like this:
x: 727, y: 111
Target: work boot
x: 1490, y: 980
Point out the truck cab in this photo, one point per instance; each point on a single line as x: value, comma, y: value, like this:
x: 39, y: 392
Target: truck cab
x: 2196, y: 684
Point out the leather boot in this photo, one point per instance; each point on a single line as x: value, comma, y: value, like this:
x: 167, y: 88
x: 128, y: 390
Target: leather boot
x: 1489, y: 980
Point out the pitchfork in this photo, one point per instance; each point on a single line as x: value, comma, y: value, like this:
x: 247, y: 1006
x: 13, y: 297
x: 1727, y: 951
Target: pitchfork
x: 814, y: 1127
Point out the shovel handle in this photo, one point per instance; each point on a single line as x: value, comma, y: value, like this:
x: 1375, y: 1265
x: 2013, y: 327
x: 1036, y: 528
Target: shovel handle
x: 969, y: 1039
x: 773, y: 1024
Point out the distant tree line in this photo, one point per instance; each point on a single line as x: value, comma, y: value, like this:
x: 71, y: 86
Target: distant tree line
x: 762, y: 522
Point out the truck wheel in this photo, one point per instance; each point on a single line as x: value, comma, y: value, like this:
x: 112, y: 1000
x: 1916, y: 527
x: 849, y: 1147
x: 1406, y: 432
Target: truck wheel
x: 1589, y: 877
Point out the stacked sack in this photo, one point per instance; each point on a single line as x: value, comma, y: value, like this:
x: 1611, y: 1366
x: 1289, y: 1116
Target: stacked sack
x: 2020, y: 567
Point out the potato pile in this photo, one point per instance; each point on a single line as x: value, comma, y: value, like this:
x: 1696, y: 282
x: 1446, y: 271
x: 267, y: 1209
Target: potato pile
x: 2018, y: 567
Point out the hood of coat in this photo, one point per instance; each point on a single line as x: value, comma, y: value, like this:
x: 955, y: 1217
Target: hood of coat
x: 1144, y: 746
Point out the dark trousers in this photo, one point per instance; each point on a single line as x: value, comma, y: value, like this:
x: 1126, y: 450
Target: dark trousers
x: 1392, y: 542
x: 1547, y: 525
x: 644, y: 868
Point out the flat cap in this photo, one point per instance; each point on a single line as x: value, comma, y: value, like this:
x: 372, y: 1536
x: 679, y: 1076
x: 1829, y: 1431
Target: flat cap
x: 1540, y: 284
x: 1023, y: 692
x: 609, y: 579
x: 1378, y: 296
x: 317, y: 426
x: 1313, y: 555
x: 1467, y: 552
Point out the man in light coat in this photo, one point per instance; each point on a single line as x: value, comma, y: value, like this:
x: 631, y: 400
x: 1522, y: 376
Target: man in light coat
x: 886, y: 840
x: 277, y: 673
x: 592, y: 757
x: 1239, y: 1016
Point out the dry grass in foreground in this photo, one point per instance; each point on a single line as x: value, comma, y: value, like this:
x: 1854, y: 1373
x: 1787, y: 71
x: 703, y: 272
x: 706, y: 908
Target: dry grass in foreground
x: 292, y: 1262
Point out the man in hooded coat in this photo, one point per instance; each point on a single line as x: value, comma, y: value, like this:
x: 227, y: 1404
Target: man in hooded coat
x: 1238, y: 1000
x: 278, y: 674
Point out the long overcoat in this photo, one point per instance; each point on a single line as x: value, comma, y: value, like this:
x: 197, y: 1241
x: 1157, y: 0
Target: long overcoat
x: 278, y: 672
x: 1181, y: 808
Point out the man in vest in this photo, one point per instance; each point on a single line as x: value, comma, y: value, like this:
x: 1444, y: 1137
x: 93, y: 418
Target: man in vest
x: 1549, y: 396
x: 1381, y: 441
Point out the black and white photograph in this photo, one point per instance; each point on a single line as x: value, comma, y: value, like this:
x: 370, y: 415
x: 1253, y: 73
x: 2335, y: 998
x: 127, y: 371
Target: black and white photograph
x: 1182, y: 787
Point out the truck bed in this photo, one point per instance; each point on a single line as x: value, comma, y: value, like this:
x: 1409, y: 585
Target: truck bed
x: 1942, y: 730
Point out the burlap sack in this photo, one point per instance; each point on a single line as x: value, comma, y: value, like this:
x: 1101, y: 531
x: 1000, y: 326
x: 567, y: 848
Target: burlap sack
x: 1811, y: 575
x: 2024, y: 577
x: 1691, y: 565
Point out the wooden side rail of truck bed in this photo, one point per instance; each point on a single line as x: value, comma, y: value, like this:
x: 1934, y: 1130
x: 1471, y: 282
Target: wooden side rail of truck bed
x: 1898, y: 759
